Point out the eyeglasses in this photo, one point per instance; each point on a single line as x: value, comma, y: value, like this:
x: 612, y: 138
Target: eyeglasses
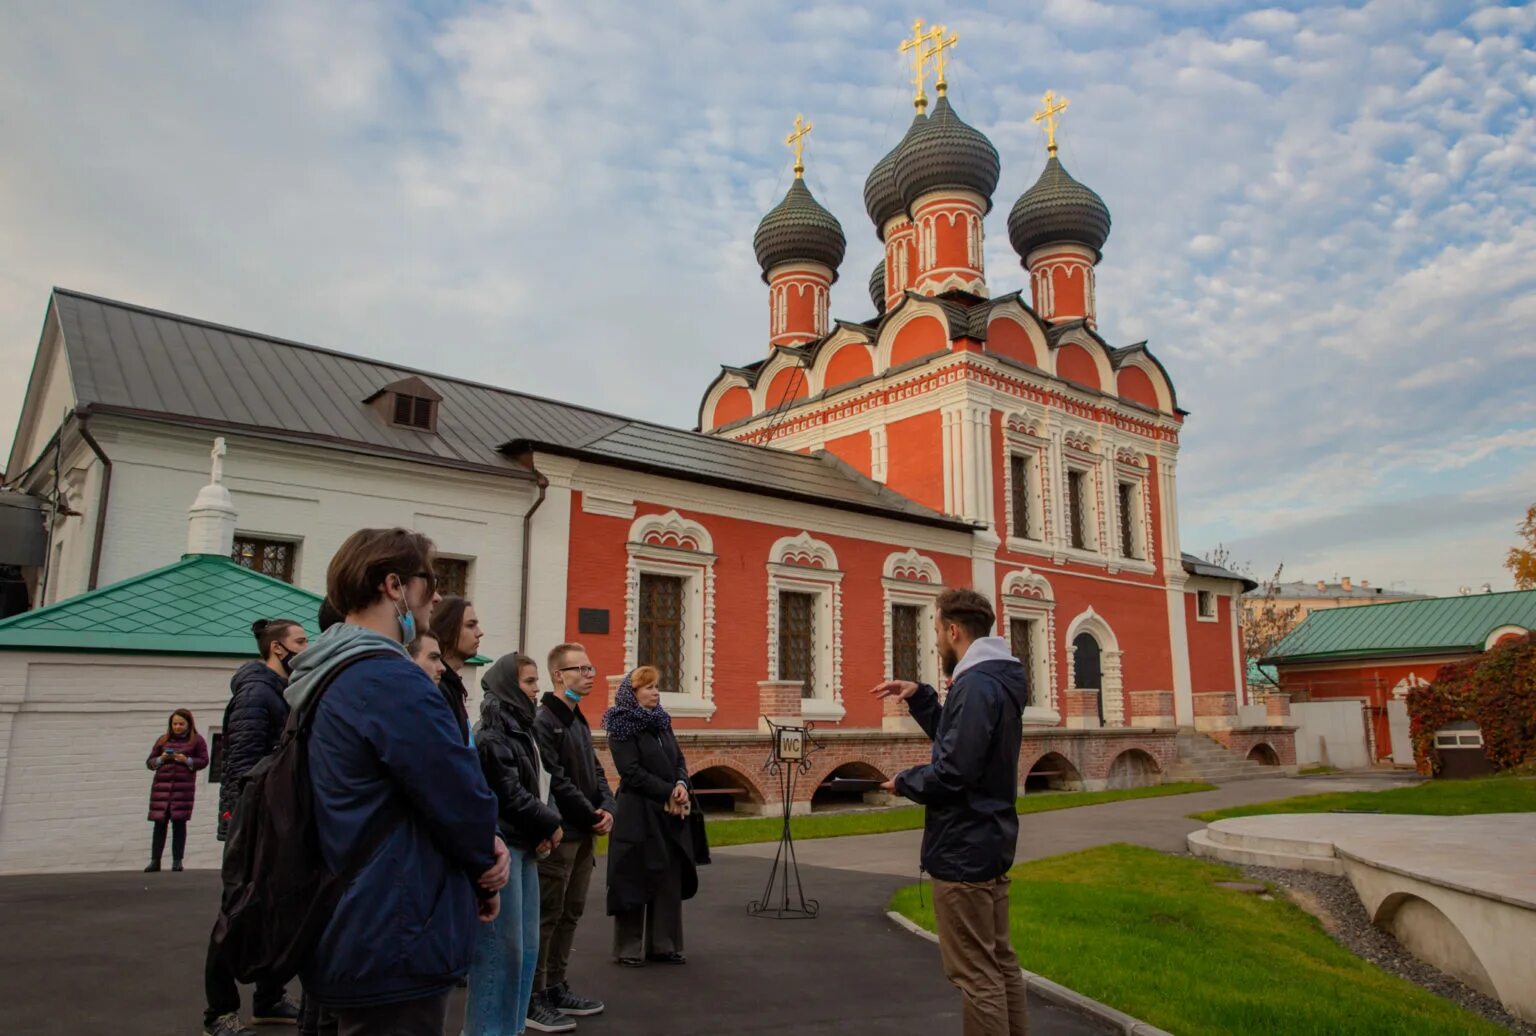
x: 429, y: 577
x: 584, y: 670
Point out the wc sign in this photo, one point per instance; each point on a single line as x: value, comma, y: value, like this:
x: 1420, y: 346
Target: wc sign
x: 789, y: 744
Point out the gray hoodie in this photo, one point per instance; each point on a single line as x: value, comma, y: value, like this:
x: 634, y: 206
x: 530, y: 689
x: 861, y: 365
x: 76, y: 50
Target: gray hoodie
x: 331, y: 648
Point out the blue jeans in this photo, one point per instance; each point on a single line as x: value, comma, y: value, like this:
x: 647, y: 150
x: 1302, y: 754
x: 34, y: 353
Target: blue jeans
x: 506, y: 953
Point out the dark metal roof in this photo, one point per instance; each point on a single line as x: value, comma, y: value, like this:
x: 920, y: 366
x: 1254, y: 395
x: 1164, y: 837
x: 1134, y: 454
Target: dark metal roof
x: 1200, y: 567
x: 799, y: 230
x: 881, y: 198
x: 877, y: 286
x: 1058, y: 208
x: 946, y: 153
x: 818, y: 478
x: 145, y: 363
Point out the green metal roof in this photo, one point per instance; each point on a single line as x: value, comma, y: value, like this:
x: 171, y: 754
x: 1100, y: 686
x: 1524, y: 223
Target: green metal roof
x: 1434, y: 625
x: 202, y: 605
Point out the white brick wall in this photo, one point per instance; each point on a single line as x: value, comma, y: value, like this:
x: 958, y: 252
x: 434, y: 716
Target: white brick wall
x: 74, y: 790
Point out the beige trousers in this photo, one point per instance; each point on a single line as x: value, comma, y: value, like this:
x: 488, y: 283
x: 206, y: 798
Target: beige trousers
x: 972, y: 918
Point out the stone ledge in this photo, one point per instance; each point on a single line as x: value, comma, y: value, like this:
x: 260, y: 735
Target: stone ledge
x: 1056, y: 993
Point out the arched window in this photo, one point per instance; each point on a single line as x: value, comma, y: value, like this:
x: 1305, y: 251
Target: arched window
x: 669, y: 608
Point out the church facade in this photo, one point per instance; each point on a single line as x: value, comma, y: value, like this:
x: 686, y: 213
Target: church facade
x: 779, y: 560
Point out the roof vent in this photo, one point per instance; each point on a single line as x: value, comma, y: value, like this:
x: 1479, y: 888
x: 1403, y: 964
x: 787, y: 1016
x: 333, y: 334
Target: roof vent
x: 408, y: 403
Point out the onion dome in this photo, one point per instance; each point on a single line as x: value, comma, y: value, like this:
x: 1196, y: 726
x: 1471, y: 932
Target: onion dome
x: 881, y: 198
x: 877, y: 286
x: 945, y: 153
x: 1058, y: 208
x: 799, y: 230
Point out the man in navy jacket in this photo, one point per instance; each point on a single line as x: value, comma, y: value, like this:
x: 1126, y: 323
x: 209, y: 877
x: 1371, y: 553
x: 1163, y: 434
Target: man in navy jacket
x: 971, y: 823
x: 386, y: 755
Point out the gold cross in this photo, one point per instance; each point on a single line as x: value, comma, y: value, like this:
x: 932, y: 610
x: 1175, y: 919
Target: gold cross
x: 796, y: 140
x: 1053, y: 106
x: 936, y: 52
x: 920, y: 59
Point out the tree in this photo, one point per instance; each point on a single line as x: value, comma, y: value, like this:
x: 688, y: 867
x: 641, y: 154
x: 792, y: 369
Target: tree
x: 1266, y: 623
x: 1522, y: 560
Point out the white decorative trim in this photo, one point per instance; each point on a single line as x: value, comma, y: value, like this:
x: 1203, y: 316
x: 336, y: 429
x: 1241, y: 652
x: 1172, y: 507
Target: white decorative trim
x: 1502, y: 631
x: 1412, y: 681
x: 911, y: 567
x: 1110, y: 663
x: 609, y: 507
x: 671, y: 545
x: 1215, y: 615
x: 913, y: 310
x: 803, y: 564
x: 879, y: 453
x: 1028, y: 595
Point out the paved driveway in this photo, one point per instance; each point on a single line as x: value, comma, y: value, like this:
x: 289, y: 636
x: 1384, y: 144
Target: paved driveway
x: 122, y: 954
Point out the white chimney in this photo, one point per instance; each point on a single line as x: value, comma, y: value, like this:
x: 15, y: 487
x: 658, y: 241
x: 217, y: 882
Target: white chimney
x: 211, y: 518
x: 1345, y: 585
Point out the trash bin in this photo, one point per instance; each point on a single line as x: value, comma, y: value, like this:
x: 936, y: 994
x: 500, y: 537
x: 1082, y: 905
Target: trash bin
x: 1459, y: 746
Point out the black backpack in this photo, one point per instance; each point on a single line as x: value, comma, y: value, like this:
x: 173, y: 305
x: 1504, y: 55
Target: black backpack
x: 278, y: 893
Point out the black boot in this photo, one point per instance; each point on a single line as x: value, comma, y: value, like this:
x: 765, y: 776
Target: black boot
x: 176, y: 865
x: 153, y: 868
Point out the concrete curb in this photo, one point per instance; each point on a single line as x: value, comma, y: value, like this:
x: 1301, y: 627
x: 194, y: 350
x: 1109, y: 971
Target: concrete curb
x: 1057, y: 993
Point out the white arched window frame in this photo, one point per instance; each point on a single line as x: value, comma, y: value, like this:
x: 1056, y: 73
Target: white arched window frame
x: 673, y: 546
x: 1110, y: 665
x: 1080, y: 456
x: 804, y: 564
x: 912, y: 580
x: 1027, y: 597
x: 1023, y: 438
x: 1132, y: 470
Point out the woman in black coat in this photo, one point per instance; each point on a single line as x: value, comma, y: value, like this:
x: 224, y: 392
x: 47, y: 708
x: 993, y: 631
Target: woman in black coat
x: 651, y: 866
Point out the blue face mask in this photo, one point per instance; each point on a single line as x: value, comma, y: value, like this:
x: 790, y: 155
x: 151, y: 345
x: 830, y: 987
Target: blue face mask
x: 407, y: 624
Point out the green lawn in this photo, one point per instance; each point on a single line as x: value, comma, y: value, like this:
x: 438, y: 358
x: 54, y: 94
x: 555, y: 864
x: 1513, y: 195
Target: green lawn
x: 728, y: 830
x: 1151, y: 935
x: 1432, y: 798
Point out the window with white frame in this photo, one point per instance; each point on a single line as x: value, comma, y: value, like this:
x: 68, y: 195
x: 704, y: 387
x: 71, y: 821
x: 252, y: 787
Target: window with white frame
x: 912, y: 584
x: 1082, y: 523
x: 1025, y: 511
x: 805, y: 623
x: 1205, y: 605
x: 1130, y: 526
x: 669, y: 608
x: 1028, y: 611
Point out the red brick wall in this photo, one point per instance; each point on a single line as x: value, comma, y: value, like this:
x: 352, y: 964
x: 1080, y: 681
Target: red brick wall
x: 1132, y: 383
x: 852, y: 448
x: 597, y: 567
x: 1242, y: 742
x: 849, y: 363
x: 915, y: 448
x: 1210, y: 646
x: 1372, y: 681
x: 1075, y: 364
x: 920, y: 337
x: 1008, y: 338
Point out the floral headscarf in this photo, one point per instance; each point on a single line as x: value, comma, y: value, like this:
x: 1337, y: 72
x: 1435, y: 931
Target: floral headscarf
x: 628, y: 719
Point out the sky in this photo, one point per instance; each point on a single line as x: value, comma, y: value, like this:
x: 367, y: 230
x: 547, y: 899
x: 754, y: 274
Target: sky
x: 1324, y: 215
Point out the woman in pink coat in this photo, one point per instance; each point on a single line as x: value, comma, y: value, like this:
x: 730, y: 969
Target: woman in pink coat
x: 177, y: 756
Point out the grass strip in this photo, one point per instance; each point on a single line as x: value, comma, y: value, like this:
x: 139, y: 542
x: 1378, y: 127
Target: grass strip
x: 1432, y: 798
x: 1151, y: 935
x: 727, y: 830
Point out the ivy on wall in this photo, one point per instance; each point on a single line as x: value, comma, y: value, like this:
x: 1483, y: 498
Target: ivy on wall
x: 1496, y: 690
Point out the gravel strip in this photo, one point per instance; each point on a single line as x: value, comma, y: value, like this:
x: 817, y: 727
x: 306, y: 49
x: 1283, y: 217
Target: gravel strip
x: 1334, y: 901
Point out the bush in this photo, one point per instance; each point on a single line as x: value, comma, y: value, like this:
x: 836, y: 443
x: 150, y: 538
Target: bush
x: 1496, y: 690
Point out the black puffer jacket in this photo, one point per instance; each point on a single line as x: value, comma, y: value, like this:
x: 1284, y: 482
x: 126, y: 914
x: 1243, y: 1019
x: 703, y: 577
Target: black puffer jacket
x: 578, y: 785
x: 457, y: 697
x: 970, y: 787
x: 510, y: 760
x: 253, y: 724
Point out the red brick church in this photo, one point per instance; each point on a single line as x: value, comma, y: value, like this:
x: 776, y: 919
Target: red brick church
x: 777, y: 561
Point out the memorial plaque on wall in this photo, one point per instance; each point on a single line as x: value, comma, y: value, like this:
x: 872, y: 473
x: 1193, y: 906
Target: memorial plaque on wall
x: 592, y: 620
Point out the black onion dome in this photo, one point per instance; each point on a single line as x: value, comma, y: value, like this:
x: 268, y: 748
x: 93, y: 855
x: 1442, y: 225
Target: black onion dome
x: 877, y: 286
x: 946, y: 153
x: 881, y: 198
x: 1058, y: 208
x: 799, y: 230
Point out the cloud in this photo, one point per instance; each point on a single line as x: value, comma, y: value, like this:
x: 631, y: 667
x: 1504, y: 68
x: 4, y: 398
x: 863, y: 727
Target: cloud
x: 1324, y: 218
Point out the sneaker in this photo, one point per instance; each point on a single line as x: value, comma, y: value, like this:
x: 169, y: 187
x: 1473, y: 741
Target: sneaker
x: 567, y: 1002
x: 227, y: 1025
x: 542, y: 1016
x: 284, y: 1012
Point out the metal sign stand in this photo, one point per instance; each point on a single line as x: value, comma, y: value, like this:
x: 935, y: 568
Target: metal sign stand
x: 790, y: 757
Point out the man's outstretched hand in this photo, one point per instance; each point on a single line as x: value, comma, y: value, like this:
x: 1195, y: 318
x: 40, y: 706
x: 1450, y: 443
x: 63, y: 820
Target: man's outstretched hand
x: 901, y: 690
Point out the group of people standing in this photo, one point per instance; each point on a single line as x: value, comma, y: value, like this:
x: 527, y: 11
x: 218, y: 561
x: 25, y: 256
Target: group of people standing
x: 469, y: 847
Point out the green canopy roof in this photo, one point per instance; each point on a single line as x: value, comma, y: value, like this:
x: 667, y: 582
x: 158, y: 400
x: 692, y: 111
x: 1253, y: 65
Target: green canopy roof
x: 1437, y: 625
x: 204, y: 604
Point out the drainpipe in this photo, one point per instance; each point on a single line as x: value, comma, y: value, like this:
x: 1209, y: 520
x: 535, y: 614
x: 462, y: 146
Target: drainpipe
x: 522, y: 606
x: 102, y: 500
